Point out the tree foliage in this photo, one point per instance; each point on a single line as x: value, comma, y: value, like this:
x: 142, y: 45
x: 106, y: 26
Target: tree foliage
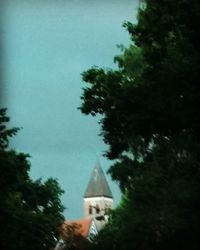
x: 150, y: 120
x: 30, y: 211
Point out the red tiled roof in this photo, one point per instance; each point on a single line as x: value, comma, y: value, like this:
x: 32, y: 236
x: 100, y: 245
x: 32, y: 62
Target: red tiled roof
x: 83, y: 225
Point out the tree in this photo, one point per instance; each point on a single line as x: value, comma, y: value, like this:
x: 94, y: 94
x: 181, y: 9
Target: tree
x: 162, y: 94
x: 31, y: 211
x: 150, y: 120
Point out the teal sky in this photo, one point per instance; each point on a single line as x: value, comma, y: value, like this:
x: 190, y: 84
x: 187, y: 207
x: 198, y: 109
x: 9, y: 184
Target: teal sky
x: 47, y: 44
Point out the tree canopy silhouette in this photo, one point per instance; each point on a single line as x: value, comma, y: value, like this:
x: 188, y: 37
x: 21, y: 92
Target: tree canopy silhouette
x: 30, y: 211
x: 151, y: 122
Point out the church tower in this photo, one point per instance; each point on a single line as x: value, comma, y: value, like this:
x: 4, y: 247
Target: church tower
x: 98, y: 198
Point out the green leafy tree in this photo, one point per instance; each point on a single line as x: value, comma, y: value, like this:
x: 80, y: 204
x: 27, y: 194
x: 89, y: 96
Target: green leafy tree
x: 150, y: 120
x: 30, y: 211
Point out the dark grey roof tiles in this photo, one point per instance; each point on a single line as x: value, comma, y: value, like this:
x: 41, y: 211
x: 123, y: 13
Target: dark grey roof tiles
x: 98, y: 186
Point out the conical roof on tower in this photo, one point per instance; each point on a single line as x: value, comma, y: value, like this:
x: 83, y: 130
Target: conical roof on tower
x: 98, y: 185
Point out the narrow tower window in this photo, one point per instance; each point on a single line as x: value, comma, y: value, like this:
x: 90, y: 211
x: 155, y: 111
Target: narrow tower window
x: 97, y: 209
x: 90, y: 209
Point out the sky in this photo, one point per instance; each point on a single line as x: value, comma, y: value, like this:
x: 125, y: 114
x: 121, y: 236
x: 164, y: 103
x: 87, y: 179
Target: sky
x: 46, y: 46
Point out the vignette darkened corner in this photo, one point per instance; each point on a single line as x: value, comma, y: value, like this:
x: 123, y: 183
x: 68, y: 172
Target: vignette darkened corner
x: 146, y: 105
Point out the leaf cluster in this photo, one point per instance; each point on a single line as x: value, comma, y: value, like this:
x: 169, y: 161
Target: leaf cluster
x: 150, y: 121
x: 31, y: 211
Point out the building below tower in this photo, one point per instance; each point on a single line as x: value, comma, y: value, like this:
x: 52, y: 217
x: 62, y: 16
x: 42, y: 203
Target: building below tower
x: 97, y: 202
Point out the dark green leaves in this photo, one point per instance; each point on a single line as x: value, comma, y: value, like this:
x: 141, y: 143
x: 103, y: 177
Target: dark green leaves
x: 31, y: 211
x: 151, y: 122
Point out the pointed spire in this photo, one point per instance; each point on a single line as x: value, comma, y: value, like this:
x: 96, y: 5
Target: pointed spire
x: 98, y: 186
